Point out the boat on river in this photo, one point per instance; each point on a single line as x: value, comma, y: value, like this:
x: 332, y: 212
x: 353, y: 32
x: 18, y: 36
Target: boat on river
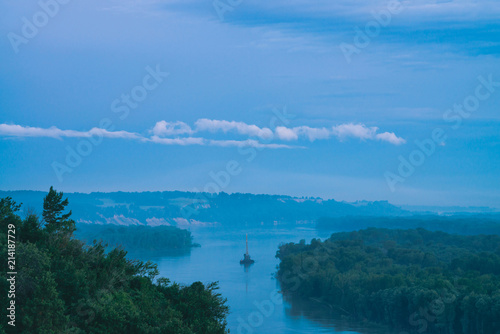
x: 246, y: 257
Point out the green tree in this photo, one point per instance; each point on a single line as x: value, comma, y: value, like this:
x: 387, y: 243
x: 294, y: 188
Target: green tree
x: 8, y: 209
x: 55, y: 219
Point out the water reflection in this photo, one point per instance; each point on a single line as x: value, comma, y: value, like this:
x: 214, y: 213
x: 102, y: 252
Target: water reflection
x: 246, y: 267
x: 155, y: 255
x: 329, y: 316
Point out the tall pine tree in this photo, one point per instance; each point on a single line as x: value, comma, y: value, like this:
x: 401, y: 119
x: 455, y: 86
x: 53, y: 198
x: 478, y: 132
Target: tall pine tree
x: 55, y: 219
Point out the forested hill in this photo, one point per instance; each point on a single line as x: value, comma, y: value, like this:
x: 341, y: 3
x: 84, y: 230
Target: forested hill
x: 415, y: 281
x: 63, y: 286
x: 185, y: 209
x: 137, y: 238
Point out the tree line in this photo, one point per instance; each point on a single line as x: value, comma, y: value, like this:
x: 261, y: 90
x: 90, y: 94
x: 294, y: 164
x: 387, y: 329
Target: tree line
x: 414, y: 281
x: 137, y: 238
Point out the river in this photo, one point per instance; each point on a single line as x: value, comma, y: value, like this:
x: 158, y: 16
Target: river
x: 252, y: 293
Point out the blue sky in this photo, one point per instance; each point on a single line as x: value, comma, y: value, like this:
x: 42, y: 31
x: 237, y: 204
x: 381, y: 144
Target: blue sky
x: 159, y: 95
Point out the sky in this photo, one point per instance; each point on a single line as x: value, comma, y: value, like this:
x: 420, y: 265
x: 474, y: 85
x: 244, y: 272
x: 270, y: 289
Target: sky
x: 349, y: 99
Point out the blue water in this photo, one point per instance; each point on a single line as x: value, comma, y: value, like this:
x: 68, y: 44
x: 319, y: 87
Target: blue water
x: 252, y: 293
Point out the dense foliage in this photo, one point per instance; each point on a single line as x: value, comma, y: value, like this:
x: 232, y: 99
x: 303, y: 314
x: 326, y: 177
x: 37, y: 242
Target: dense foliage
x: 64, y: 286
x: 410, y: 280
x: 141, y: 238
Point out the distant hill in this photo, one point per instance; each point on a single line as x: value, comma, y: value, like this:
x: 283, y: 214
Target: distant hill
x: 444, y: 210
x: 185, y: 209
x: 458, y: 223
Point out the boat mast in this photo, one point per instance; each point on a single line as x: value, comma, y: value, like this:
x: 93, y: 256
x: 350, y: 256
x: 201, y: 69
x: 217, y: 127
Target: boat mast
x: 247, y: 243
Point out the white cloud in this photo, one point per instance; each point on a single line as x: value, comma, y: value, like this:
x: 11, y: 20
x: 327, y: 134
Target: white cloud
x: 360, y: 131
x: 221, y: 143
x: 14, y: 130
x: 342, y: 131
x: 312, y: 133
x: 213, y: 125
x: 177, y: 141
x: 285, y: 133
x: 247, y: 143
x: 112, y: 134
x: 391, y: 138
x: 163, y: 128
